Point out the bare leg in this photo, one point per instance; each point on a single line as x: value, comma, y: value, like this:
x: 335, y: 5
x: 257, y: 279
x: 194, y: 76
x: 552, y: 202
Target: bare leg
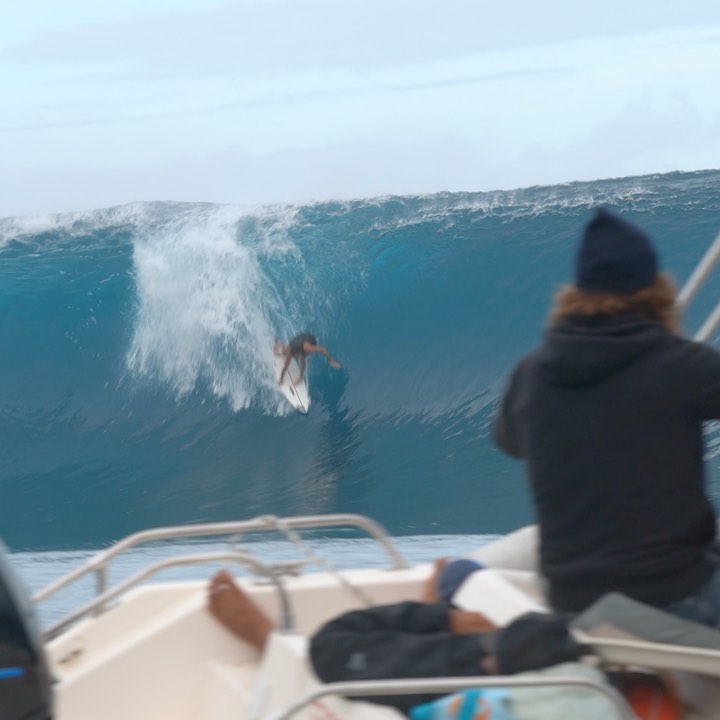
x: 234, y: 610
x: 302, y: 369
x: 288, y: 358
x: 430, y: 589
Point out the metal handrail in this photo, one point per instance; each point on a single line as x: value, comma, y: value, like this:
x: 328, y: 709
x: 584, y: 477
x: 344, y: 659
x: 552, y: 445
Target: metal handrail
x: 440, y: 686
x: 99, y: 603
x: 710, y: 324
x: 693, y: 285
x: 99, y: 562
x: 699, y: 276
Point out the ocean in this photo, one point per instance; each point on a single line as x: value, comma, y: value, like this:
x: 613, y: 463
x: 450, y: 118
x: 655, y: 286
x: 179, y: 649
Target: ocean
x: 136, y: 374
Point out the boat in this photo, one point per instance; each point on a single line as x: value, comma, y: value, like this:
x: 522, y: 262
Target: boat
x: 144, y: 649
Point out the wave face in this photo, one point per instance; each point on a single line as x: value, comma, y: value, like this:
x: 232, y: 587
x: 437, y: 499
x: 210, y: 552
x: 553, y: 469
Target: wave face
x: 136, y: 375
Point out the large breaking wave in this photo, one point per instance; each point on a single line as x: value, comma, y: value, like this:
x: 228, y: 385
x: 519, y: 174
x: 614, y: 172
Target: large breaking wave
x: 136, y: 381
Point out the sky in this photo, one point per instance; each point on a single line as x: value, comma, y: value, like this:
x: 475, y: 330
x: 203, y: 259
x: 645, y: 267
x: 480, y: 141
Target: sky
x: 289, y: 101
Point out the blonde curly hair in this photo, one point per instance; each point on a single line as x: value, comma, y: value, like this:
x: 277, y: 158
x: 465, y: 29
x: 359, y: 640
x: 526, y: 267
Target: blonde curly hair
x: 656, y: 302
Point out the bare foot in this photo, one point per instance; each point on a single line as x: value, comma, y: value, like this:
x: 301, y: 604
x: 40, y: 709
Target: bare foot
x: 464, y: 622
x: 430, y: 590
x: 489, y: 664
x: 234, y: 610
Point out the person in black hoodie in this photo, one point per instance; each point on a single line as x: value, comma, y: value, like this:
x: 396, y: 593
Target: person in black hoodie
x: 608, y: 414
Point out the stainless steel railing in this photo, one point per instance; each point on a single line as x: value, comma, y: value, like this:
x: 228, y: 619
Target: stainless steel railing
x: 693, y: 285
x: 100, y: 562
x: 100, y: 602
x: 447, y: 685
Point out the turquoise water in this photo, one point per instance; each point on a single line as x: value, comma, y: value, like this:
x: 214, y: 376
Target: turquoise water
x: 135, y: 377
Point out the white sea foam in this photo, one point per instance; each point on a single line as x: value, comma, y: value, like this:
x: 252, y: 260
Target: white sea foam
x: 206, y: 310
x: 514, y: 203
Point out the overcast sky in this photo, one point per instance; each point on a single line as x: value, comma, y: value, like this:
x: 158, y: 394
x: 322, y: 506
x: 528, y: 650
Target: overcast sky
x: 263, y: 101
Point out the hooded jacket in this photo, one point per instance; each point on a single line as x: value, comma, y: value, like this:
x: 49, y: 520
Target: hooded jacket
x: 608, y: 414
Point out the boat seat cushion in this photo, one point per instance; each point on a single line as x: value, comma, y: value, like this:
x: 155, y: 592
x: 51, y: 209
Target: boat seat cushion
x: 627, y: 632
x: 632, y: 618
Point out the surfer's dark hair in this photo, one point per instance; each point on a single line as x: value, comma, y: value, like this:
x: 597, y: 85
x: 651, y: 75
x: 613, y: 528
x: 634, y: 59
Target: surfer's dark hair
x: 656, y: 302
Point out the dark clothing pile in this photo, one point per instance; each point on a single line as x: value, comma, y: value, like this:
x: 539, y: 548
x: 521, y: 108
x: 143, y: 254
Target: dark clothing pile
x: 405, y: 640
x: 608, y: 412
x: 413, y: 640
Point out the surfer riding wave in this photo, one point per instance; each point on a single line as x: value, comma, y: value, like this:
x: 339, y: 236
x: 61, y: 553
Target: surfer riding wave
x: 299, y: 347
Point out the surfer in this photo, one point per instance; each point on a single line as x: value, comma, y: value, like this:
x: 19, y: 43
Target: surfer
x: 608, y: 415
x: 299, y: 348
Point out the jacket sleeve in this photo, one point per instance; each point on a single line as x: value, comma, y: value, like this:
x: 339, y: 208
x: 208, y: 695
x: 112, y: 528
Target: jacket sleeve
x: 405, y: 640
x: 505, y: 430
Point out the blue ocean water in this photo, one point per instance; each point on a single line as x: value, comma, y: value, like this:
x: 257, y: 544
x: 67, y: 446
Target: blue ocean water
x: 136, y: 386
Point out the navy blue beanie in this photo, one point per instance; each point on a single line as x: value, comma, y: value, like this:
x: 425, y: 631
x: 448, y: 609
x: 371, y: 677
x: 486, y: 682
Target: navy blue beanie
x: 614, y: 256
x: 453, y: 575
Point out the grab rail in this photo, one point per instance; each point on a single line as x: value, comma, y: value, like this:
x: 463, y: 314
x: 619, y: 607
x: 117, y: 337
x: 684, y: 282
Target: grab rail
x: 99, y: 563
x: 445, y: 685
x: 693, y: 285
x: 100, y: 602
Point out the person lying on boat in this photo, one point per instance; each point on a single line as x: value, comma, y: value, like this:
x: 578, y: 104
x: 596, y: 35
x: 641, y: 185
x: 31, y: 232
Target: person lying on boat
x: 430, y: 638
x: 299, y: 348
x: 608, y: 415
x: 237, y: 612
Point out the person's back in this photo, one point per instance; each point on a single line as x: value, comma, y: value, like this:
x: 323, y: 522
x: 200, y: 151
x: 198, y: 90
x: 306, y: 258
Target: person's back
x: 608, y: 413
x: 296, y: 345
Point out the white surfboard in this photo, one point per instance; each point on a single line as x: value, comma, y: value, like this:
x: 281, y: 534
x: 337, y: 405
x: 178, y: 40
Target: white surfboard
x: 296, y: 393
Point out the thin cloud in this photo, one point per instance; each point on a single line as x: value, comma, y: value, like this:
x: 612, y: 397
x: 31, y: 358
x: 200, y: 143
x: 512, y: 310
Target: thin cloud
x: 278, y: 99
x: 290, y: 98
x: 353, y: 34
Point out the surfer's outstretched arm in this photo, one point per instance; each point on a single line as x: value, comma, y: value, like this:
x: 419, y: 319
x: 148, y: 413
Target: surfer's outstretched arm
x: 323, y: 351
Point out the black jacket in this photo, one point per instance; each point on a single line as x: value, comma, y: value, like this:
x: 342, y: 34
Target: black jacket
x: 405, y: 640
x: 608, y: 414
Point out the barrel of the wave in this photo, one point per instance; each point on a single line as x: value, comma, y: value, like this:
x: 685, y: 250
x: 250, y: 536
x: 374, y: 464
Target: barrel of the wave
x: 25, y: 692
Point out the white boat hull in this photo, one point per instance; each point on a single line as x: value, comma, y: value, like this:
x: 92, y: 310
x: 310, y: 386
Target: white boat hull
x: 158, y: 654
